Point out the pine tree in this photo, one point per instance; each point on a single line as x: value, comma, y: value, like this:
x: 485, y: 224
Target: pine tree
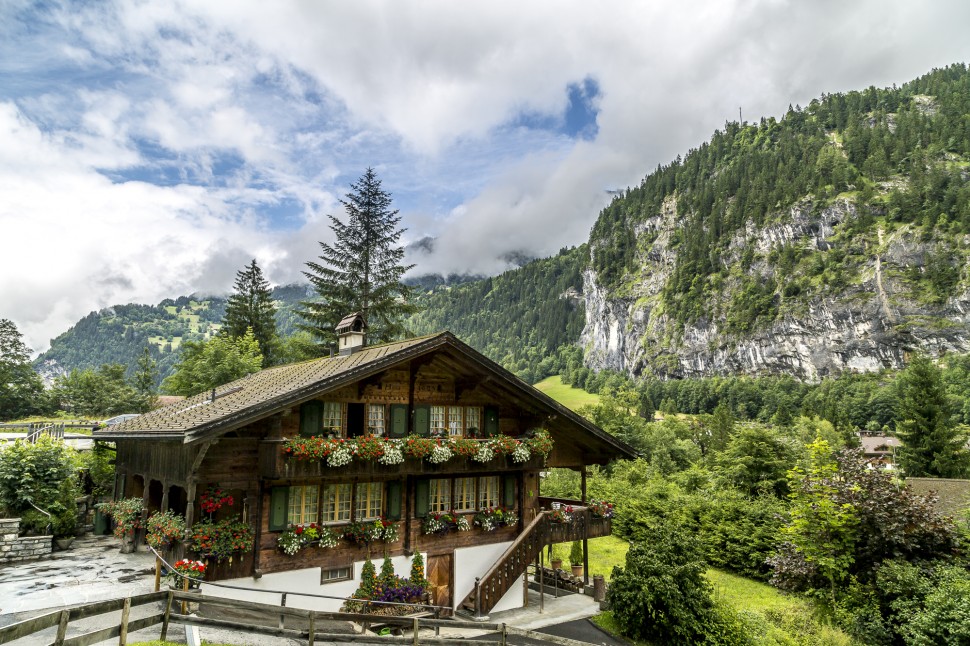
x: 21, y: 389
x: 931, y: 444
x: 251, y: 307
x: 361, y: 271
x: 145, y: 380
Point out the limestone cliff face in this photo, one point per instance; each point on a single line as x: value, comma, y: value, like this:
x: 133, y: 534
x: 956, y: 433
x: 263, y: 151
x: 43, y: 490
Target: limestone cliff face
x: 867, y: 325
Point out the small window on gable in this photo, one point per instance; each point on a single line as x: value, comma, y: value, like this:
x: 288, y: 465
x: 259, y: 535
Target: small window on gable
x: 375, y: 419
x: 473, y: 421
x: 311, y: 418
x: 439, y: 424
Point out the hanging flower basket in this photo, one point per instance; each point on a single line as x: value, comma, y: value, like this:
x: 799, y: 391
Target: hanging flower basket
x: 221, y: 540
x: 164, y: 529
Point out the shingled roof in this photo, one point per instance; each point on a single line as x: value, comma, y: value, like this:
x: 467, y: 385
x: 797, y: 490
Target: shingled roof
x: 260, y: 394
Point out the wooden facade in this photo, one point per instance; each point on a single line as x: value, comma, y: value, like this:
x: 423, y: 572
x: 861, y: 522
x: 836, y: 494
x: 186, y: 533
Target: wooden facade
x: 235, y: 439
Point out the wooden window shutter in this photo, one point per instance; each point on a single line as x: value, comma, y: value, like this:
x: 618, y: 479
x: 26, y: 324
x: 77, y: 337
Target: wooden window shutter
x: 394, y: 500
x: 311, y: 418
x: 508, y: 492
x: 277, y: 508
x: 491, y: 421
x: 399, y: 420
x: 422, y: 420
x: 422, y: 498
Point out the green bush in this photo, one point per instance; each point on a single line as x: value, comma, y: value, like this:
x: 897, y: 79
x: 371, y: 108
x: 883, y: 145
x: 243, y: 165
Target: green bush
x: 662, y: 595
x: 576, y: 553
x: 34, y: 474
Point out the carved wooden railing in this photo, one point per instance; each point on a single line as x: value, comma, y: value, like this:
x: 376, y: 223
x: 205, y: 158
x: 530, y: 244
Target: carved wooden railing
x: 542, y: 531
x: 490, y: 588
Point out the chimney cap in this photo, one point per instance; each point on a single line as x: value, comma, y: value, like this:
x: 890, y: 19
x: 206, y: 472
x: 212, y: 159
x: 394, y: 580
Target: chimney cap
x: 352, y: 323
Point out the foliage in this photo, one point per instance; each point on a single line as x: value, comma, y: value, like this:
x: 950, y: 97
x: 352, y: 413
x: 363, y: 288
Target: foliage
x: 576, y: 553
x: 931, y: 444
x: 337, y: 451
x: 661, y: 593
x: 214, y: 498
x: 944, y: 615
x: 491, y: 518
x: 251, y: 308
x: 194, y: 571
x: 364, y: 532
x: 35, y: 474
x: 97, y: 393
x: 757, y: 460
x: 361, y: 271
x: 297, y: 537
x: 417, y: 571
x: 204, y: 365
x: 444, y: 522
x: 21, y: 389
x: 164, y: 528
x: 126, y: 514
x: 145, y: 380
x: 220, y: 540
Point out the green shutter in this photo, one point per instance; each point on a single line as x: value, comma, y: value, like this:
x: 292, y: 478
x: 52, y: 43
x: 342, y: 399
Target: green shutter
x: 277, y: 508
x: 422, y: 498
x: 394, y: 500
x: 508, y: 492
x: 399, y: 420
x: 491, y: 421
x: 422, y: 420
x: 311, y: 418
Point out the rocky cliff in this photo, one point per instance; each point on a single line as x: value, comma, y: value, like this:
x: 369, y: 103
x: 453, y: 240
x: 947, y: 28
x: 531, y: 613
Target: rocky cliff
x: 868, y: 325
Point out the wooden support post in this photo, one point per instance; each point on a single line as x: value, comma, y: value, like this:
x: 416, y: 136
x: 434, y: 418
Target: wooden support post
x: 542, y: 583
x: 585, y: 530
x: 185, y: 588
x: 505, y: 634
x: 168, y: 615
x: 313, y: 628
x: 282, y: 605
x: 125, y: 611
x: 165, y: 488
x: 62, y: 627
x: 158, y: 573
x: 416, y: 638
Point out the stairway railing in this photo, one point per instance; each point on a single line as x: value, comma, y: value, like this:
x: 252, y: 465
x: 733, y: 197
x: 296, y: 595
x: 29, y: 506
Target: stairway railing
x: 492, y: 586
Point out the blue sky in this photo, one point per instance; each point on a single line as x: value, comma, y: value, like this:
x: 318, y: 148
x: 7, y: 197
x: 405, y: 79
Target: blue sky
x: 151, y: 149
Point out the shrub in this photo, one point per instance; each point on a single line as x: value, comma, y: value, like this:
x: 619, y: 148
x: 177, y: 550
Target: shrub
x: 576, y: 553
x: 126, y: 513
x: 662, y: 595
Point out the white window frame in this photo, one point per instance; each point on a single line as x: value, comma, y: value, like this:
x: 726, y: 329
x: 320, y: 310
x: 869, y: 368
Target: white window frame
x: 376, y: 419
x: 332, y: 575
x: 473, y: 419
x: 333, y: 418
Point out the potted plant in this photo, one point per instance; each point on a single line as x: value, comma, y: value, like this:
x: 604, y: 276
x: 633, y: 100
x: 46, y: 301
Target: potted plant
x: 126, y: 514
x: 65, y: 528
x: 576, y: 558
x: 556, y: 559
x: 164, y: 529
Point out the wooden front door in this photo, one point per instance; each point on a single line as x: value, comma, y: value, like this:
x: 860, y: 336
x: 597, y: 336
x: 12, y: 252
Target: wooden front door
x: 440, y: 577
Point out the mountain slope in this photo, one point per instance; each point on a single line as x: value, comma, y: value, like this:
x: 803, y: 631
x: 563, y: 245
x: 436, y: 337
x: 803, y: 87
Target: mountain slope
x: 834, y: 239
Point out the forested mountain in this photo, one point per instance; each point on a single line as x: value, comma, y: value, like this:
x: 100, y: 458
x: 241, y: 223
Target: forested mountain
x: 119, y: 334
x: 833, y: 239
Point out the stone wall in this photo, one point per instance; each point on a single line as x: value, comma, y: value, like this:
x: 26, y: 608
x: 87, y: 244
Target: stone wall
x: 15, y: 548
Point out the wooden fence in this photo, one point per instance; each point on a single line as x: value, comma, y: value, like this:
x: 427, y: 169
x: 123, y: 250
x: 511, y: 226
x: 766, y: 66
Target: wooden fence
x: 306, y: 623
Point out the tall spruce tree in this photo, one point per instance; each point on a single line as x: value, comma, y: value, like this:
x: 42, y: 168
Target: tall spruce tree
x: 251, y: 307
x: 361, y: 271
x: 21, y: 389
x: 145, y: 381
x: 932, y: 445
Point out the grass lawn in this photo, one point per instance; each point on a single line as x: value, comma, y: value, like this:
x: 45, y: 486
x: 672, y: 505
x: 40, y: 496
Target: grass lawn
x: 604, y: 553
x: 568, y: 396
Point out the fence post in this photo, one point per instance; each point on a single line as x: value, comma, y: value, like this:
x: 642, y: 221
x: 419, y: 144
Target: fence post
x: 313, y: 628
x: 158, y: 573
x: 125, y: 611
x: 504, y: 634
x: 168, y: 615
x: 478, y: 598
x: 417, y: 629
x: 282, y: 605
x: 62, y: 627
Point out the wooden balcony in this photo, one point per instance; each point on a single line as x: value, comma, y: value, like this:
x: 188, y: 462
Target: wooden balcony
x: 275, y: 465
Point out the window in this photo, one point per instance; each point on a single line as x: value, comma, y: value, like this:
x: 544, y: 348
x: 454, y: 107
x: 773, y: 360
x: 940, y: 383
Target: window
x: 473, y: 420
x: 465, y: 494
x: 336, y: 503
x: 302, y: 505
x: 439, y: 495
x: 454, y: 421
x: 488, y: 491
x: 439, y: 426
x: 332, y: 418
x: 336, y: 574
x: 375, y: 419
x: 370, y: 500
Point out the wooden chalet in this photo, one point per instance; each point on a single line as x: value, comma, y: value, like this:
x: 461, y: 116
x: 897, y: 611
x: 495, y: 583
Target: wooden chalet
x: 235, y: 437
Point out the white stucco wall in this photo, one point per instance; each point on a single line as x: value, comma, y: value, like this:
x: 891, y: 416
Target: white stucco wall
x: 306, y: 581
x: 471, y: 562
